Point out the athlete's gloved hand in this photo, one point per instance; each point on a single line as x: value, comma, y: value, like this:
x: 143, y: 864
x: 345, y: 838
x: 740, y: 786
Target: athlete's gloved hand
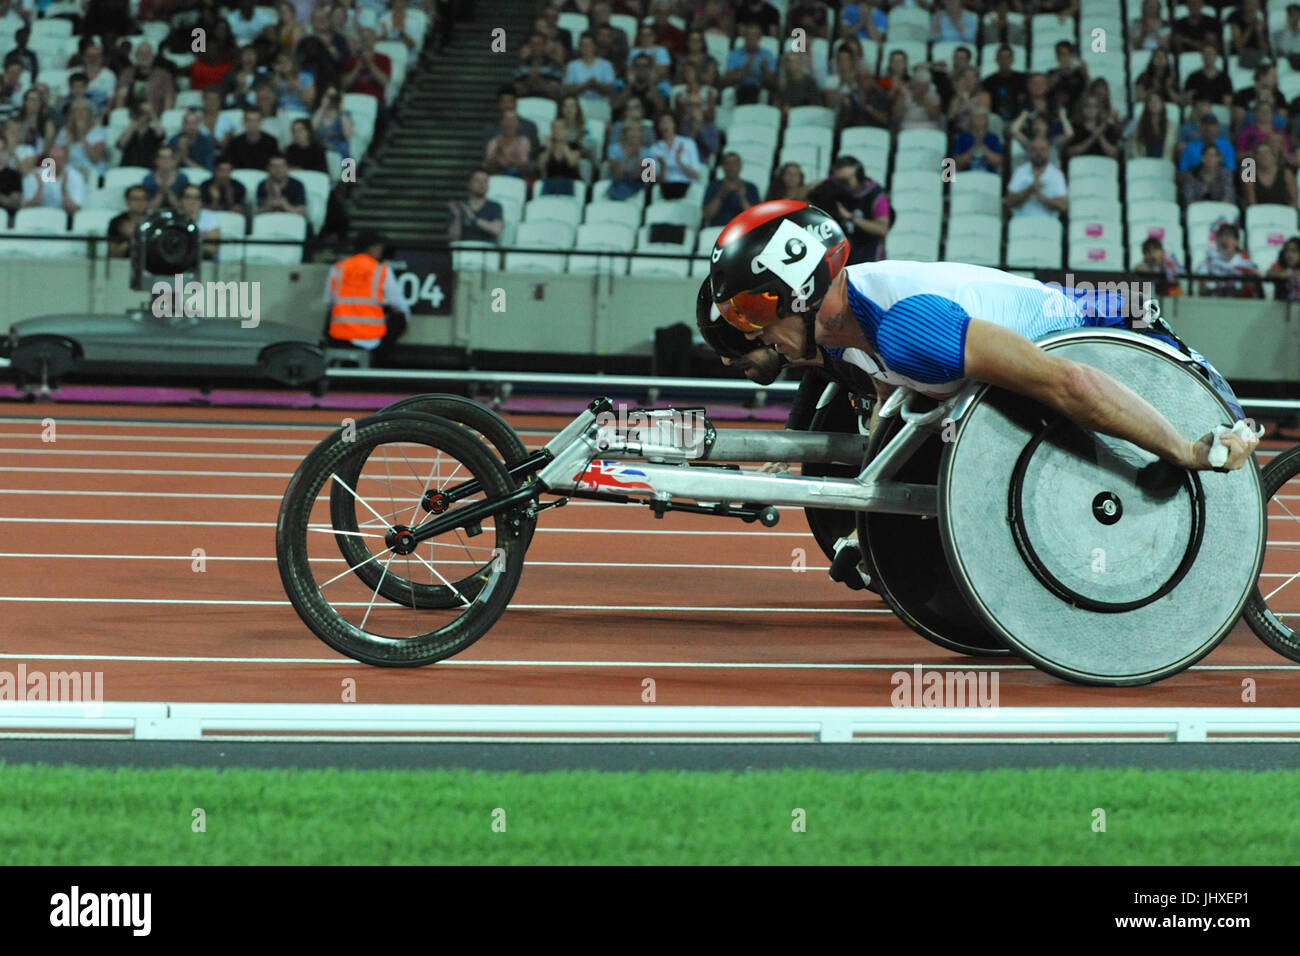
x: 1227, y: 448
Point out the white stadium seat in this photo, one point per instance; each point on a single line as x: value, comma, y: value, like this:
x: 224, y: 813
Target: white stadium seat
x: 277, y: 225
x: 922, y: 246
x: 1102, y: 255
x: 602, y: 237
x: 1034, y: 242
x: 553, y: 208
x: 975, y: 191
x: 233, y: 225
x: 44, y: 222
x: 681, y: 212
x: 614, y: 212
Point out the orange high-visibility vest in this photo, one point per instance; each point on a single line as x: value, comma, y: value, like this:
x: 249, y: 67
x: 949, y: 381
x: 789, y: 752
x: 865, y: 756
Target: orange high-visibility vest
x: 358, y: 287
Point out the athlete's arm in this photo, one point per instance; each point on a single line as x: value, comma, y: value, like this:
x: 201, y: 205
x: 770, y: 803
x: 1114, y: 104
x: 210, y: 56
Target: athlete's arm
x: 1085, y: 395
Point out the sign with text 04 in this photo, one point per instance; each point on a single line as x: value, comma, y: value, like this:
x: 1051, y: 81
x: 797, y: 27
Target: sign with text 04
x: 427, y: 280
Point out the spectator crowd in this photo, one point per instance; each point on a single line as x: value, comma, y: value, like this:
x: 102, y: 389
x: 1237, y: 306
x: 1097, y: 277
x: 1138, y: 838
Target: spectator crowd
x: 620, y: 100
x: 240, y: 108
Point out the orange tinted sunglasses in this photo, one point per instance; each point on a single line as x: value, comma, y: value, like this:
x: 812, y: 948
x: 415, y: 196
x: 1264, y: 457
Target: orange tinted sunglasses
x: 750, y: 311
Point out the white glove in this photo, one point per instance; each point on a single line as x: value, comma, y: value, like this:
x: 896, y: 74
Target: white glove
x: 1219, y: 452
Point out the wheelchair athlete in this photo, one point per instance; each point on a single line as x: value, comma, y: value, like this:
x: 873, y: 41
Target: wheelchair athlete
x: 778, y: 276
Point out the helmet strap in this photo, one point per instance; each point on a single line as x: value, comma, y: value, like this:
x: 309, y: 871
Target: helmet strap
x: 810, y: 334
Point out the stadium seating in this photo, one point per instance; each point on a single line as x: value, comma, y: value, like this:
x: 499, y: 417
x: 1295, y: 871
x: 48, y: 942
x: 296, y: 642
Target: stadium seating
x: 920, y: 191
x: 92, y: 222
x: 975, y: 191
x: 39, y: 221
x: 602, y: 237
x: 538, y: 237
x: 1104, y: 254
x: 560, y: 209
x: 1268, y: 227
x: 680, y: 212
x: 613, y: 212
x: 920, y: 149
x: 577, y: 233
x: 1034, y: 242
x: 919, y: 245
x: 277, y: 225
x: 975, y: 238
x: 233, y: 225
x: 1094, y: 177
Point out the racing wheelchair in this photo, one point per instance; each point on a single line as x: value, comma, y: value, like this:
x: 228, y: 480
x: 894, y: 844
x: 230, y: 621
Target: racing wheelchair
x: 993, y: 525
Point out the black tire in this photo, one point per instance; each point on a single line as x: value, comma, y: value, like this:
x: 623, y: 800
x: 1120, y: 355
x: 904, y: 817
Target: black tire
x: 462, y: 411
x: 50, y: 357
x: 826, y: 524
x: 1267, y: 625
x: 904, y: 554
x: 293, y: 363
x: 488, y: 600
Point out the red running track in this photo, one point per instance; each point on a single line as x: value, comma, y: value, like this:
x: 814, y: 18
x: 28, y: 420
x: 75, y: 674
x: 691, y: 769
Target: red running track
x: 100, y: 527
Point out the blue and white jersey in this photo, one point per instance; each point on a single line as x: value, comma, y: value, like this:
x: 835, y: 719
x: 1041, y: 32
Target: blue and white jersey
x: 915, y: 315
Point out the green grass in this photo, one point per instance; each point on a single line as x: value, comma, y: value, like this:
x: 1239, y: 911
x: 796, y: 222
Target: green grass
x: 71, y: 815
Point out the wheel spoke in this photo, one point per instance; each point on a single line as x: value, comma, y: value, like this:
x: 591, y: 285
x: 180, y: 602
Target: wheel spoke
x: 1281, y: 586
x: 451, y: 586
x: 380, y: 584
x: 351, y: 534
x: 455, y: 471
x: 402, y: 488
x: 352, y: 568
x: 363, y: 501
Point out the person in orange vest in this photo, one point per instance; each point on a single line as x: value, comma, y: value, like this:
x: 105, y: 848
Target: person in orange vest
x: 367, y: 308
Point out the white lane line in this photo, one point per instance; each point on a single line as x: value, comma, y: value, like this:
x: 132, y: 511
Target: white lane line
x: 28, y: 555
x: 323, y: 428
x: 137, y: 521
x: 964, y: 664
x: 182, y: 494
x: 163, y: 423
x: 131, y: 453
x: 339, y: 560
x: 745, y: 665
x: 271, y: 524
x: 138, y: 494
x: 40, y: 470
x: 152, y: 439
x: 208, y: 439
x: 514, y: 607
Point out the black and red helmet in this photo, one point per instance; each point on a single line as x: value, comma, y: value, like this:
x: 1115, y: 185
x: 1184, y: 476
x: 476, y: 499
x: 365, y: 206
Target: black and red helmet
x: 774, y: 259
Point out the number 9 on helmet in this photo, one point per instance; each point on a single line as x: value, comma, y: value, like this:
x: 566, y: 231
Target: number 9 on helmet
x: 775, y: 259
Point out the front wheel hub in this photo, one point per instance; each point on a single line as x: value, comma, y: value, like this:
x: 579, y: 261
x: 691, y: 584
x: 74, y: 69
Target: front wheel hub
x: 435, y: 502
x: 400, y: 539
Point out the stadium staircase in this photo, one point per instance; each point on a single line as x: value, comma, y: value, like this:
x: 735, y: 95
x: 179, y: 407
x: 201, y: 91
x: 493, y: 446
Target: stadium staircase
x: 436, y: 137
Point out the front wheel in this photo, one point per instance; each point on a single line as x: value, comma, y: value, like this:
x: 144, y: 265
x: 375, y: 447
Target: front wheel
x: 407, y: 460
x: 500, y: 438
